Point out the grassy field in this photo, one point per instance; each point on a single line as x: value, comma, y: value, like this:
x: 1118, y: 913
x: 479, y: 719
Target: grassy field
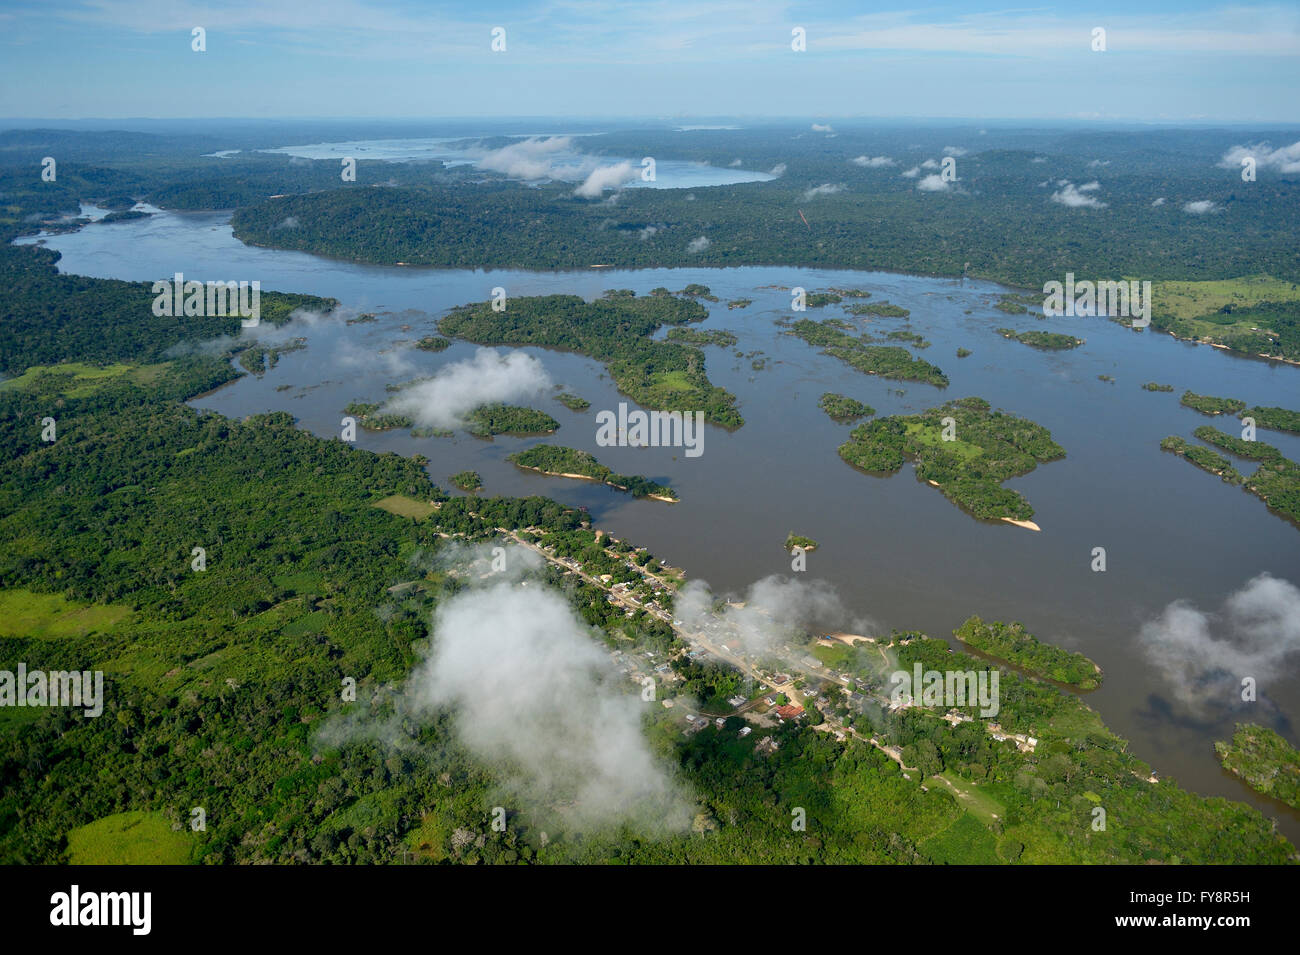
x: 1193, y: 299
x: 404, y: 506
x: 970, y: 797
x: 965, y: 842
x: 83, y: 379
x: 27, y: 614
x: 933, y: 437
x: 130, y: 838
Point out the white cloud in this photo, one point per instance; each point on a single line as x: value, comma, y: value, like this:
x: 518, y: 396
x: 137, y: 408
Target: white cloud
x: 1200, y: 207
x: 533, y: 696
x: 1204, y: 657
x: 820, y: 128
x: 1090, y: 186
x: 647, y: 232
x: 458, y: 388
x: 698, y: 244
x: 932, y: 183
x: 1285, y: 159
x: 930, y: 164
x: 825, y: 189
x: 530, y: 159
x: 1159, y: 201
x: 1077, y: 198
x: 954, y: 151
x: 607, y: 177
x: 911, y: 173
x: 777, y: 170
x: 873, y: 162
x: 1097, y: 163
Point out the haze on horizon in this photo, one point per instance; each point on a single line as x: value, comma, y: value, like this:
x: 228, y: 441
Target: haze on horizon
x: 1165, y: 61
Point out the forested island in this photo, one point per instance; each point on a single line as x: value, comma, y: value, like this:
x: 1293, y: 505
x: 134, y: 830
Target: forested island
x: 559, y: 461
x: 1048, y: 340
x: 615, y: 329
x: 888, y: 361
x: 370, y: 417
x: 793, y: 540
x: 988, y: 447
x: 695, y: 336
x: 844, y: 408
x: 1264, y: 760
x: 434, y: 343
x: 573, y: 402
x: 879, y: 309
x: 497, y: 418
x: 1276, y: 480
x: 1210, y: 405
x: 467, y: 481
x: 1011, y: 642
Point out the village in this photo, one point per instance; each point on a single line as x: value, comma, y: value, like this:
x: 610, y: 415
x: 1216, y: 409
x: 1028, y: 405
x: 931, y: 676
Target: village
x: 773, y: 696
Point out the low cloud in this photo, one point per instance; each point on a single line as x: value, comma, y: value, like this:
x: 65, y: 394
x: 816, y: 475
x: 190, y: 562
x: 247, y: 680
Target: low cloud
x: 531, y: 159
x: 698, y: 244
x: 825, y: 189
x: 1159, y: 201
x: 822, y: 128
x: 955, y: 151
x: 933, y: 183
x: 534, y: 698
x: 873, y: 162
x: 777, y: 170
x: 458, y: 388
x: 774, y: 610
x: 1200, y: 207
x: 1076, y: 197
x: 911, y: 173
x: 1098, y: 163
x: 1284, y: 159
x: 288, y: 222
x: 607, y: 177
x: 1203, y: 657
x: 930, y: 164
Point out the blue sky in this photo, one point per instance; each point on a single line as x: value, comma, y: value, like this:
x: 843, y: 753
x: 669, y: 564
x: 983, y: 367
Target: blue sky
x: 1181, y: 61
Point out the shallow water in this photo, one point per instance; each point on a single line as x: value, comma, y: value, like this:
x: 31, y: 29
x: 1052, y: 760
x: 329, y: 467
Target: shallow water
x: 896, y: 549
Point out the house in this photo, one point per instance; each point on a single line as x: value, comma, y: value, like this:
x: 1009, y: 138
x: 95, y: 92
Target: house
x: 789, y: 711
x: 746, y: 730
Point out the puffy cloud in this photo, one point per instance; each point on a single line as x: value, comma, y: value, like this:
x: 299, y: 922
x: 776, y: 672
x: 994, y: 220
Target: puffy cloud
x: 606, y: 177
x: 1285, y: 159
x: 698, y: 244
x: 1077, y: 197
x: 534, y: 697
x: 822, y: 128
x: 911, y: 173
x: 1158, y: 201
x: 777, y: 170
x: 458, y: 388
x: 530, y: 159
x: 825, y: 189
x: 1204, y: 657
x: 1200, y: 207
x: 932, y: 183
x: 955, y: 151
x: 873, y: 162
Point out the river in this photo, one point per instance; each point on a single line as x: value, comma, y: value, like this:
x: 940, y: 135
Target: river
x: 895, y: 549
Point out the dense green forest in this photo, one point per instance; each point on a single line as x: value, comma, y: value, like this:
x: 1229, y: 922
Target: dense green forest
x: 1052, y: 341
x: 556, y: 459
x: 497, y: 418
x: 1276, y: 481
x: 888, y: 361
x: 1266, y: 761
x: 1011, y: 642
x: 615, y: 329
x: 1208, y: 404
x: 323, y: 562
x: 987, y: 448
x: 844, y: 408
